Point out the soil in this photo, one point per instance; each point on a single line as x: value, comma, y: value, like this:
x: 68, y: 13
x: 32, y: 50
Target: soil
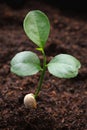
x: 62, y: 103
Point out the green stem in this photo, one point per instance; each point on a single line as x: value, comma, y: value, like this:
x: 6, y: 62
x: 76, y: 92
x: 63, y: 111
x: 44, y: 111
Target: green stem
x: 42, y: 75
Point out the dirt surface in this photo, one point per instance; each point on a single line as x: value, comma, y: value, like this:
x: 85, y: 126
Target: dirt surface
x: 62, y: 103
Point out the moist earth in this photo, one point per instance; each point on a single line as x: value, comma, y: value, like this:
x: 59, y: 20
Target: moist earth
x: 62, y: 103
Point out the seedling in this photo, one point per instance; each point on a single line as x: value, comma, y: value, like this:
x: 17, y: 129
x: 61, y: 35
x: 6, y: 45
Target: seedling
x: 37, y: 27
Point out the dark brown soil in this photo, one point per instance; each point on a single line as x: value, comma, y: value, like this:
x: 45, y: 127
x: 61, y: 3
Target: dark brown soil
x: 62, y: 103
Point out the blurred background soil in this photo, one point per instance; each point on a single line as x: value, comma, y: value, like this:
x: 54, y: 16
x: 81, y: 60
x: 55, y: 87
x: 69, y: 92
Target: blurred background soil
x: 62, y: 103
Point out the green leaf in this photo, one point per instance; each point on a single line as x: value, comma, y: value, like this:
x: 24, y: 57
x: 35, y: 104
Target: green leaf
x: 37, y: 27
x: 64, y: 66
x: 25, y: 63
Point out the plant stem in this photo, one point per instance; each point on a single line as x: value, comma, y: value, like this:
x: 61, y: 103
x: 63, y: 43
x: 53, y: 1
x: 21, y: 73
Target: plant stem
x: 42, y: 75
